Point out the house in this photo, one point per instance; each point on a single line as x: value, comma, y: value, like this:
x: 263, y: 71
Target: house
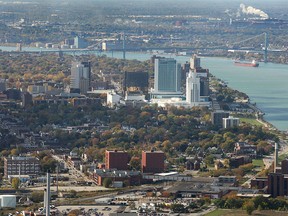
x: 243, y: 148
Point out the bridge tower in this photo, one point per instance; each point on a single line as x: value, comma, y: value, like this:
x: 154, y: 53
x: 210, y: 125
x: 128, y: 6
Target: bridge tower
x: 266, y: 47
x: 124, y: 48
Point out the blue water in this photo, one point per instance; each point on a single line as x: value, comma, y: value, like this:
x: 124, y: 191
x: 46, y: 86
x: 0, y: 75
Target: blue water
x: 265, y: 85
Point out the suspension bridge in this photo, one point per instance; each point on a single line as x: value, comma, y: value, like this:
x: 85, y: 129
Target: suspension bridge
x: 255, y: 44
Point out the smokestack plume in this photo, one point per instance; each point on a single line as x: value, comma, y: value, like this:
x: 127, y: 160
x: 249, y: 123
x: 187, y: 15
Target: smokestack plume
x: 249, y: 10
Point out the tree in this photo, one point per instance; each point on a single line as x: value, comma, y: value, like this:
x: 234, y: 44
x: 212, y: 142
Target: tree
x: 209, y: 160
x: 178, y: 208
x: 74, y: 212
x: 48, y: 163
x: 107, y: 182
x: 135, y: 163
x: 249, y: 207
x: 14, y: 152
x: 219, y: 203
x: 228, y: 145
x: 260, y: 201
x: 233, y: 203
x: 16, y: 183
x: 73, y: 193
x: 37, y: 196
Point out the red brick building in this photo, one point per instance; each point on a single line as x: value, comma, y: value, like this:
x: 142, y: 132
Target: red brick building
x: 116, y: 160
x: 152, y: 161
x: 278, y: 182
x: 243, y: 148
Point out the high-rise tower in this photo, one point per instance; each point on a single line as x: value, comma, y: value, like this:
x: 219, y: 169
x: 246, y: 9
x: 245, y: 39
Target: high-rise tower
x: 167, y: 75
x: 192, y: 88
x: 80, y: 81
x: 194, y: 62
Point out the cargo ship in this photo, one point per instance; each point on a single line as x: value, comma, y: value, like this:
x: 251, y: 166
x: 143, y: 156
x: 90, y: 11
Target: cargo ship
x: 246, y: 64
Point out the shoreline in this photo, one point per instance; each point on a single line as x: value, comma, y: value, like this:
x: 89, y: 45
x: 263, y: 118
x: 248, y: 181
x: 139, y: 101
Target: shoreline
x: 14, y: 45
x: 257, y: 112
x: 149, y: 54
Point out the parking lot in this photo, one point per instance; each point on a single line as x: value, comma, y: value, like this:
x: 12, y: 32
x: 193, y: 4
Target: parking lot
x: 104, y: 210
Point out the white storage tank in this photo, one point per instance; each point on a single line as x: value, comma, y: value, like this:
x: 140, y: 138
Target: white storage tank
x: 8, y: 201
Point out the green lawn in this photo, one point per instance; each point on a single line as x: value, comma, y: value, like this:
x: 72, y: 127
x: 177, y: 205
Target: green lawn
x: 251, y: 121
x: 217, y: 212
x: 258, y: 163
x: 282, y: 157
x: 239, y: 212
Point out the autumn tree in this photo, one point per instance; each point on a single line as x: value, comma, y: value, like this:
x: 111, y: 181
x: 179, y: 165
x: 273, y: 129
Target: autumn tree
x: 107, y: 182
x: 135, y: 163
x: 16, y: 183
x: 37, y: 196
x: 249, y: 206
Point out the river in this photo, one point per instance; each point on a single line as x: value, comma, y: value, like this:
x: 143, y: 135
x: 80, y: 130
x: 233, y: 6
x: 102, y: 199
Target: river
x: 267, y: 85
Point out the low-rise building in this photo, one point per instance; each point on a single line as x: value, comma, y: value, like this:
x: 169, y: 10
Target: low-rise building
x: 235, y: 162
x: 243, y: 148
x: 21, y: 166
x: 230, y: 122
x: 259, y: 182
x: 86, y: 101
x: 74, y: 161
x: 217, y: 117
x: 127, y: 177
x: 198, y: 188
x: 193, y: 164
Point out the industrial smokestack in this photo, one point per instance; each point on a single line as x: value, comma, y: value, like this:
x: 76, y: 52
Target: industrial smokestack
x: 48, y: 195
x: 275, y: 157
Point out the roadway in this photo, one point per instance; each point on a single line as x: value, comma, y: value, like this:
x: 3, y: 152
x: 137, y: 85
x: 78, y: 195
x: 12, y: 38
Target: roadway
x: 72, y: 170
x: 268, y: 160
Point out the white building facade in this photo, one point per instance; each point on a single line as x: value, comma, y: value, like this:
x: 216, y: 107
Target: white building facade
x: 80, y: 77
x: 192, y: 88
x: 230, y: 122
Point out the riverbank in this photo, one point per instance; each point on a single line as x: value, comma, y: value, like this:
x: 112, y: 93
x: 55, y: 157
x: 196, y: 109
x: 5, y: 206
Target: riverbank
x: 274, y: 57
x: 265, y: 85
x: 259, y: 117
